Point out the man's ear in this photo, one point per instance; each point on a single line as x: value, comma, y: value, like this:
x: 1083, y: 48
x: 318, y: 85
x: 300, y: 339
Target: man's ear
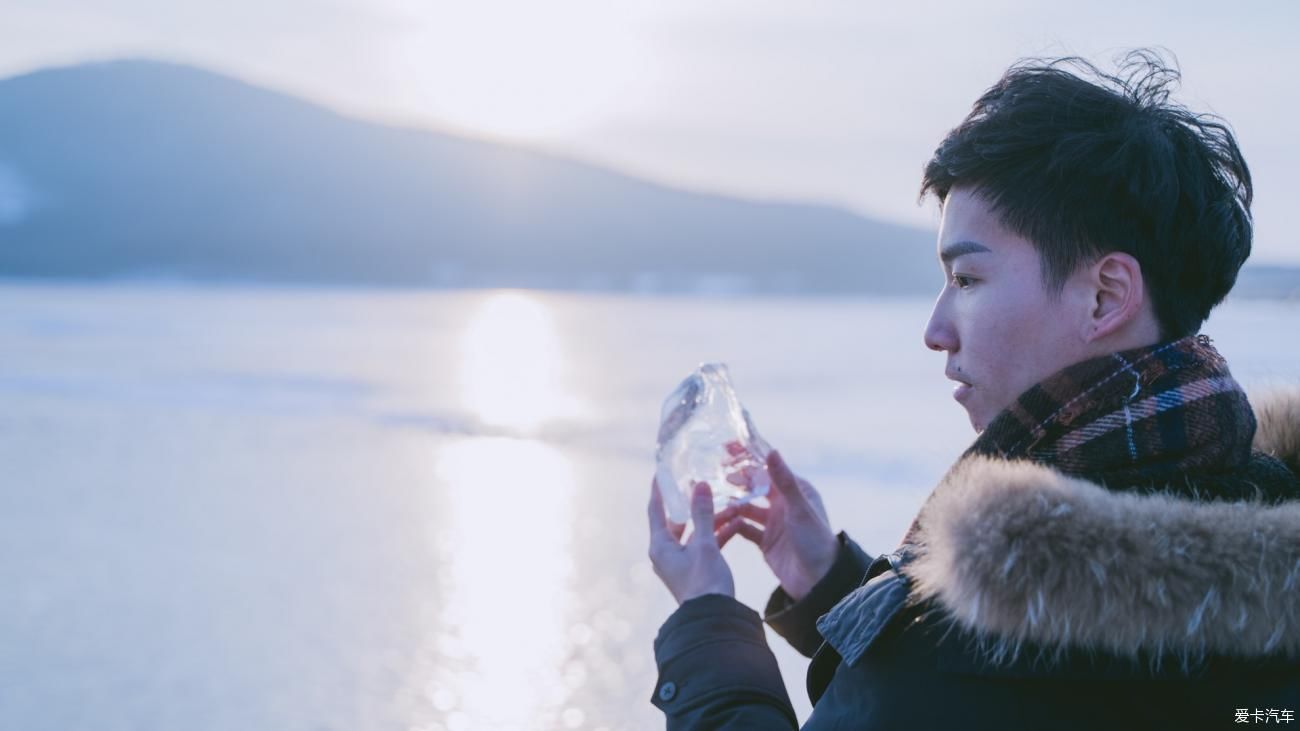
x: 1119, y: 295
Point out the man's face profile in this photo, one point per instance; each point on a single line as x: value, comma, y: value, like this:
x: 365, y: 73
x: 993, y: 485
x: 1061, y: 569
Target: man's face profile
x: 1003, y: 332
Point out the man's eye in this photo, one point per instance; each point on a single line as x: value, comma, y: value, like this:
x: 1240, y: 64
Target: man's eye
x: 962, y: 281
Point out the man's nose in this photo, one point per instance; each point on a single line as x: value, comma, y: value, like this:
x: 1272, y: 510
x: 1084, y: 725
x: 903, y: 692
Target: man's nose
x: 939, y: 333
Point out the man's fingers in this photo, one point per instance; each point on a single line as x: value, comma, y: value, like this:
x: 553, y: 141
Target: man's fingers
x: 658, y: 524
x: 661, y: 528
x: 728, y: 531
x: 676, y: 530
x: 756, y: 513
x: 741, y: 527
x: 751, y: 532
x: 784, y: 479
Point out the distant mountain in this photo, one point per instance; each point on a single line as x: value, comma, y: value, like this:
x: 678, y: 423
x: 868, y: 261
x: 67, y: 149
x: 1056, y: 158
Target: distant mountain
x: 138, y: 168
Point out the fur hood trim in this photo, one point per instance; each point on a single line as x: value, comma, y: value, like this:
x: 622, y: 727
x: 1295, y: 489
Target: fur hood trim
x: 1278, y: 432
x: 1018, y: 553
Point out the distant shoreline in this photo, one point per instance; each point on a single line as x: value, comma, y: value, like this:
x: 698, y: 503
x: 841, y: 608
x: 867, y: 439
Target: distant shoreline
x: 1269, y: 282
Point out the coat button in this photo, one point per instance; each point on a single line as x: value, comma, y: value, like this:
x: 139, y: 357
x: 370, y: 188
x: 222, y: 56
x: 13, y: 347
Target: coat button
x: 668, y: 691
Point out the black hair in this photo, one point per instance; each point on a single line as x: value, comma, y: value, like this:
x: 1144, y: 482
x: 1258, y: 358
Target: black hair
x: 1083, y: 163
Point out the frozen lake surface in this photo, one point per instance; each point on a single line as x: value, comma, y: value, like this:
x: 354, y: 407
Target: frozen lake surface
x: 292, y: 508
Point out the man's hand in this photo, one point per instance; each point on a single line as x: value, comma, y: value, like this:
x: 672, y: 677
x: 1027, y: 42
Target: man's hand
x: 693, y: 568
x: 793, y: 533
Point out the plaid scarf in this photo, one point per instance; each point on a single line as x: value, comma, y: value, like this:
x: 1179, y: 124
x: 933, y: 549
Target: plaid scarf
x: 1132, y: 420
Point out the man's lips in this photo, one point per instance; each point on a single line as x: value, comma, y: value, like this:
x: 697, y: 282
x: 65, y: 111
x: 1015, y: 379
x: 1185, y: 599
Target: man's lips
x: 962, y: 390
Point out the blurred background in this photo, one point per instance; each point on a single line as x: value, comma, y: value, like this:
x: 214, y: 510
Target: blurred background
x: 333, y: 335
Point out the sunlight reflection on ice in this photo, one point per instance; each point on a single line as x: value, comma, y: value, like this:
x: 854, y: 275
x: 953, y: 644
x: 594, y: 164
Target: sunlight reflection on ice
x: 504, y: 533
x: 506, y: 539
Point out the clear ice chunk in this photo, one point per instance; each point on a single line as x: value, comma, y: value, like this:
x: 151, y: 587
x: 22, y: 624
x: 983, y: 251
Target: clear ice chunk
x: 706, y: 435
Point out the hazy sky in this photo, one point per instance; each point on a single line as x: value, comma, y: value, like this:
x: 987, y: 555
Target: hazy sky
x: 838, y: 102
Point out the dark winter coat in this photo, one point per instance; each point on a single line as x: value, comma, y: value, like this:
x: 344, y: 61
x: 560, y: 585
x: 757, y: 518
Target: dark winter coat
x: 1033, y: 600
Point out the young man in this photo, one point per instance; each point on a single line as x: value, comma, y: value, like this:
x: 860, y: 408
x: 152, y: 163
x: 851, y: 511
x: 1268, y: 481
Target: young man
x: 1121, y: 544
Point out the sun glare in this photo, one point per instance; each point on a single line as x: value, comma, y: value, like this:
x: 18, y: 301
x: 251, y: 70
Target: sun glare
x: 513, y: 365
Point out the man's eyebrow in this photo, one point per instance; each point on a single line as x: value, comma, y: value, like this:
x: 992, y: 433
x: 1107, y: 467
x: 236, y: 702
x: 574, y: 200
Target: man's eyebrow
x: 962, y: 248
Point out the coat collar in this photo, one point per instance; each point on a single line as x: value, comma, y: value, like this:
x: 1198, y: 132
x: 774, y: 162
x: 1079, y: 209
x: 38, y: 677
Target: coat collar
x: 1018, y: 553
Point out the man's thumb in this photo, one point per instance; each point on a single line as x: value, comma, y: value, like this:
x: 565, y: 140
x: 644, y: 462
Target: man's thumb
x: 702, y: 508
